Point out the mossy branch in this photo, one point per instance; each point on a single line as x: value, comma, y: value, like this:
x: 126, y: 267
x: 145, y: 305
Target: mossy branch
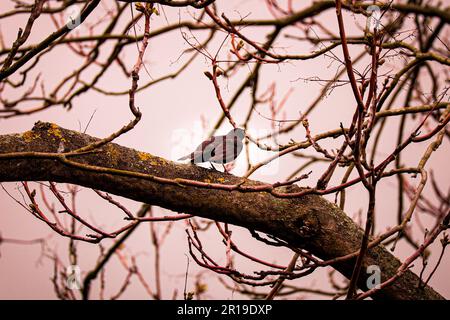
x: 309, y: 222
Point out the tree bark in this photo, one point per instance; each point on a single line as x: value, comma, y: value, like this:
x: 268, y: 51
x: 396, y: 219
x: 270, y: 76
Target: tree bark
x: 309, y: 222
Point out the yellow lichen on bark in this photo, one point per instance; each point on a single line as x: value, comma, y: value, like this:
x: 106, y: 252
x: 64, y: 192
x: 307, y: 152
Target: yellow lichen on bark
x: 55, y: 131
x: 30, y: 136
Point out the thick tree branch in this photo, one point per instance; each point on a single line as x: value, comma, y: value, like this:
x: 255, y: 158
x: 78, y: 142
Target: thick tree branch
x: 309, y: 222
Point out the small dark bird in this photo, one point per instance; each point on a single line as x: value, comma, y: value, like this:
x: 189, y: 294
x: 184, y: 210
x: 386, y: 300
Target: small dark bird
x: 218, y: 149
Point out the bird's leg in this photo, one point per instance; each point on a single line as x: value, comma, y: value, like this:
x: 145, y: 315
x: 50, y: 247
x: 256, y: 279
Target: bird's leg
x: 224, y: 168
x: 212, y: 167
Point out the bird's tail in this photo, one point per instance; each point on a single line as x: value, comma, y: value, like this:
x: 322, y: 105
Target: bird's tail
x: 185, y: 157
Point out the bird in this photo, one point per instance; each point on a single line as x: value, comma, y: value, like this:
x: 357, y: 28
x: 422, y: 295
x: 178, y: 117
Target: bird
x: 218, y: 149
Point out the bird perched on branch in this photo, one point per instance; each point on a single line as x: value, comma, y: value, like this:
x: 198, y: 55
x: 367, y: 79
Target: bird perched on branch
x: 218, y: 149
